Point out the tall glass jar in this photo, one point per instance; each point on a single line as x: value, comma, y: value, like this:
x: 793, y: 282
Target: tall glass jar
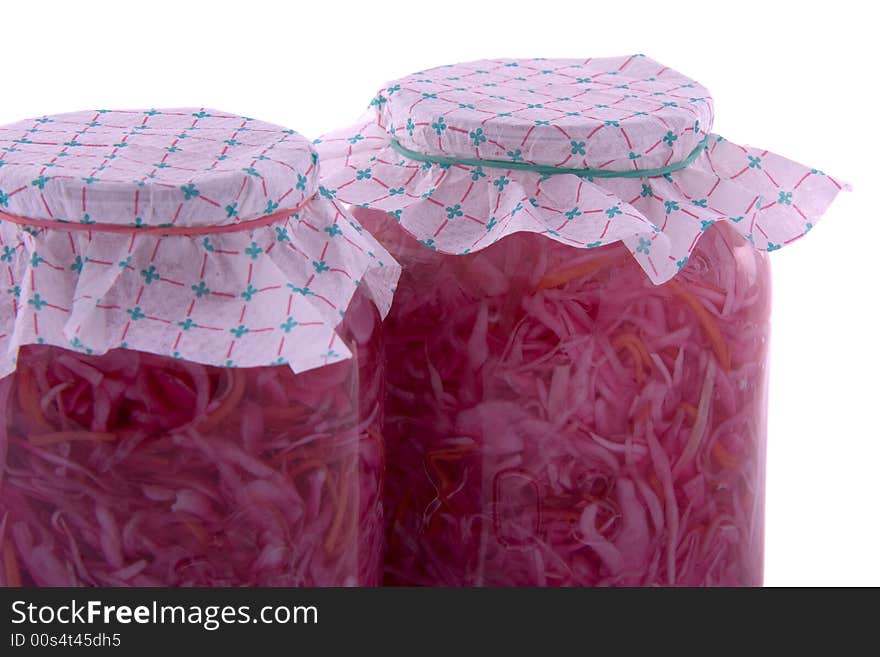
x: 578, y: 343
x: 194, y: 386
x: 555, y: 419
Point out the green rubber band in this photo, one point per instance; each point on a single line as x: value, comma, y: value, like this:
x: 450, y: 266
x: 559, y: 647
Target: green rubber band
x: 551, y: 170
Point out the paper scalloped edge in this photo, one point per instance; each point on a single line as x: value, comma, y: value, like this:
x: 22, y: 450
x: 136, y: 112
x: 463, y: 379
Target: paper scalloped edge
x: 770, y: 200
x: 97, y: 284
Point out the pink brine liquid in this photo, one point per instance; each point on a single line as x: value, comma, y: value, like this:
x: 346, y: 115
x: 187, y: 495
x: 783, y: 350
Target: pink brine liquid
x: 135, y: 469
x: 555, y: 419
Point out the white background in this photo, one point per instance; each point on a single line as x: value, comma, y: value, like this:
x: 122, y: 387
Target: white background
x: 797, y: 78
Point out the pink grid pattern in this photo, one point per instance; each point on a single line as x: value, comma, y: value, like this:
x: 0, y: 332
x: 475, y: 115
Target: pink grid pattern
x: 564, y: 113
x: 624, y: 113
x: 266, y: 295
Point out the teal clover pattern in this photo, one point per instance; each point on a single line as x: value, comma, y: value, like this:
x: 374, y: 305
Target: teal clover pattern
x: 267, y: 294
x: 581, y: 151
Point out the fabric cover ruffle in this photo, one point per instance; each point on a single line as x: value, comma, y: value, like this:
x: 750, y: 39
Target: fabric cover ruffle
x: 267, y: 295
x: 624, y: 114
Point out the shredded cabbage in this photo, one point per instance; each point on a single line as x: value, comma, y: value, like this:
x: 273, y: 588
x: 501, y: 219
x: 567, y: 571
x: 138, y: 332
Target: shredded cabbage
x: 135, y: 469
x: 555, y: 419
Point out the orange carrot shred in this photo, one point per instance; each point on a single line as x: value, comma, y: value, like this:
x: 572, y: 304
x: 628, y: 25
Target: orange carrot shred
x: 723, y: 457
x: 689, y: 409
x: 53, y: 437
x: 29, y: 398
x: 338, y: 516
x: 445, y: 455
x: 719, y: 346
x: 562, y: 276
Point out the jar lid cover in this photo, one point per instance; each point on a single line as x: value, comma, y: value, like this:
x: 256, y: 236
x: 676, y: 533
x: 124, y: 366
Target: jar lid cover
x: 586, y: 152
x: 190, y: 233
x: 171, y: 167
x: 610, y: 113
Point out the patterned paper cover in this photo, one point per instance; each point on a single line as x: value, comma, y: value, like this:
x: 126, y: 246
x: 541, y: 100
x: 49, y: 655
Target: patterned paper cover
x: 448, y: 151
x: 270, y: 293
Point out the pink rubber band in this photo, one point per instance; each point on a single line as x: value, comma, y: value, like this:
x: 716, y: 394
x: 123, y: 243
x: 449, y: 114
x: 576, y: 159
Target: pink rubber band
x: 241, y: 226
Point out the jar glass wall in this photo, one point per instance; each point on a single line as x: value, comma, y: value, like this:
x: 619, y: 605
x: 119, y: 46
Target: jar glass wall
x: 556, y: 419
x: 130, y: 468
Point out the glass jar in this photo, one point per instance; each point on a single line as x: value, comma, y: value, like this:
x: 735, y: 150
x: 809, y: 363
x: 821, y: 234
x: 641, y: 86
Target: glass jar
x: 578, y: 343
x: 193, y: 402
x: 133, y: 469
x: 555, y: 419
